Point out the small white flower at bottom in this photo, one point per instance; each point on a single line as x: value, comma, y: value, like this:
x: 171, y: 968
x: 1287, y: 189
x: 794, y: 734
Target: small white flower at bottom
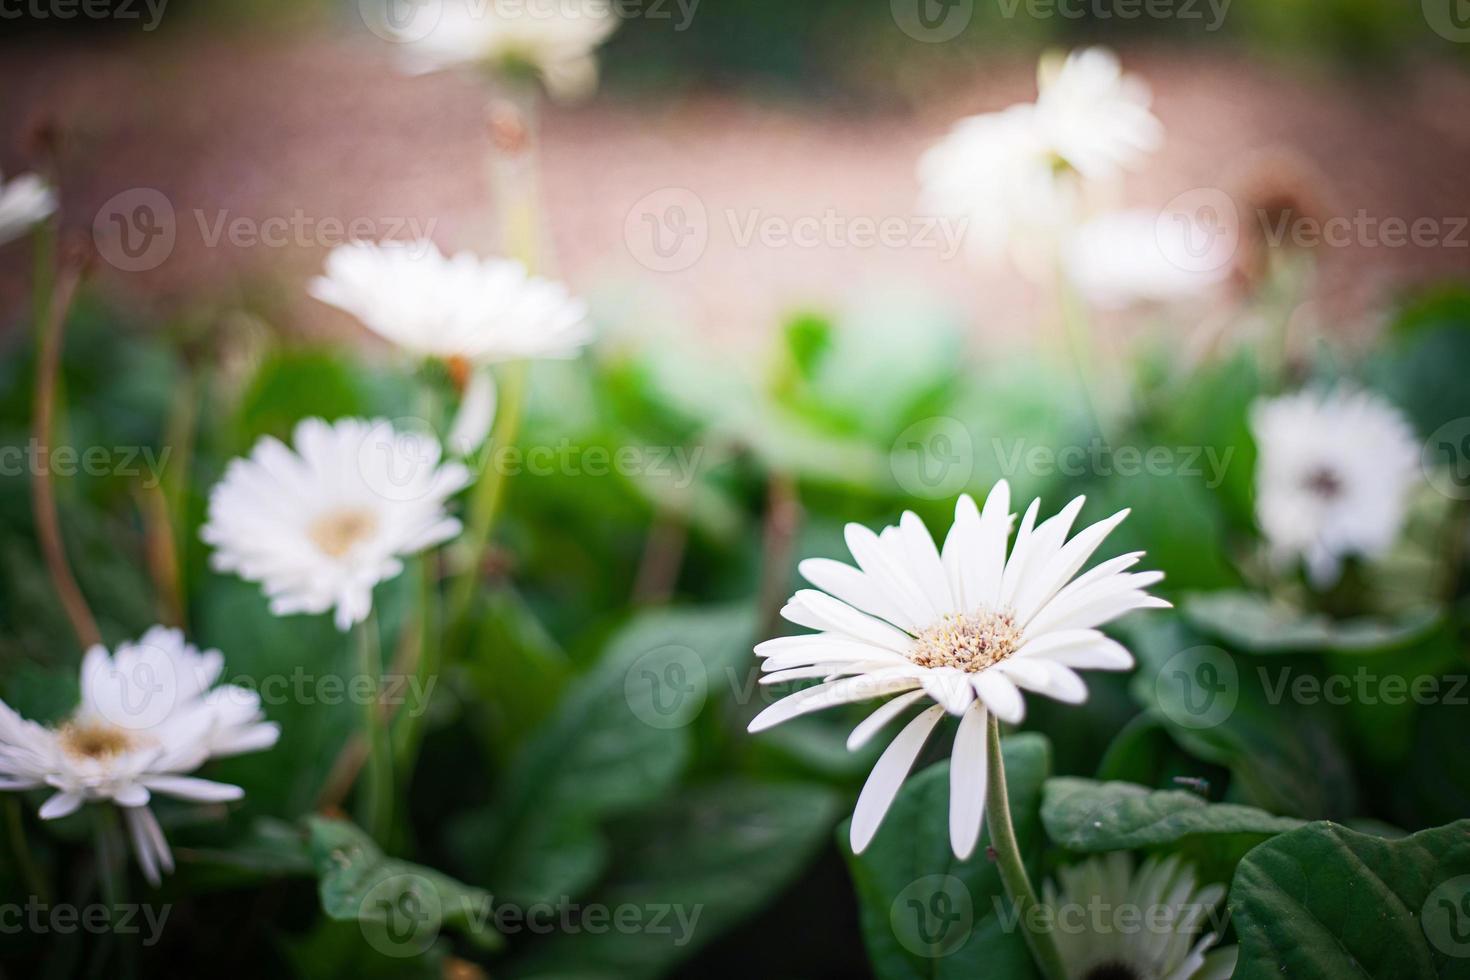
x: 966, y: 627
x: 321, y: 525
x: 149, y: 714
x: 1096, y: 911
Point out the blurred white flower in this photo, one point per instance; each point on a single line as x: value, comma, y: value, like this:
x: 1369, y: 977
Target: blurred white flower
x: 1333, y: 476
x: 149, y: 715
x: 1101, y: 901
x: 964, y: 627
x: 457, y: 307
x: 555, y: 39
x: 1017, y: 175
x: 1129, y: 257
x: 24, y: 201
x: 320, y: 526
x: 476, y: 414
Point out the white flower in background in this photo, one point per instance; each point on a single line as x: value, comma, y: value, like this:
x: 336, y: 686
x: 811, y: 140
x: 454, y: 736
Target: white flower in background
x: 555, y: 39
x: 1333, y: 476
x: 1098, y: 908
x: 965, y: 627
x: 24, y: 201
x: 149, y: 715
x: 319, y: 526
x: 1017, y: 175
x: 1125, y: 258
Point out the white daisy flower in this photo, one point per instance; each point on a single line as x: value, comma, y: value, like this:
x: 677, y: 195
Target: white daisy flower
x: 1017, y: 175
x: 1333, y: 476
x: 1127, y: 258
x: 459, y: 307
x: 149, y: 715
x: 555, y: 39
x: 1097, y: 913
x: 965, y: 627
x: 24, y: 201
x: 319, y: 526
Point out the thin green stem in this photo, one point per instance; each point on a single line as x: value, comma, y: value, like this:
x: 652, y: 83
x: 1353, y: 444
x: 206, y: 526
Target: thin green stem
x: 15, y: 828
x: 1012, y: 869
x: 376, y: 800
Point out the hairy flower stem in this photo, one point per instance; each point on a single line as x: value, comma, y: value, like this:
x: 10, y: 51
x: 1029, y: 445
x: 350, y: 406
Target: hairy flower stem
x: 1012, y: 870
x: 376, y: 803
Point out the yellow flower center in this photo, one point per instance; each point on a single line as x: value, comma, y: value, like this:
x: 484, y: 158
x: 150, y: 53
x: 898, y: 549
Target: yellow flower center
x: 970, y: 642
x: 92, y: 740
x: 338, y: 532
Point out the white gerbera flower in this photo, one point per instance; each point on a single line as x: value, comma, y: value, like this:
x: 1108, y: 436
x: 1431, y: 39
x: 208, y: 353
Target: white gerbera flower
x: 553, y: 38
x: 1017, y: 175
x: 24, y: 201
x: 149, y: 715
x: 1332, y: 478
x: 1133, y: 257
x: 965, y: 627
x: 458, y: 307
x: 1111, y: 923
x: 320, y: 526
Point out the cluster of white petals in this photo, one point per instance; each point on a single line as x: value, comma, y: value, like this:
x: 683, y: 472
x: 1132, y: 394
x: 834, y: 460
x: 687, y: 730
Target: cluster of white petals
x: 966, y: 627
x: 25, y: 200
x: 150, y: 713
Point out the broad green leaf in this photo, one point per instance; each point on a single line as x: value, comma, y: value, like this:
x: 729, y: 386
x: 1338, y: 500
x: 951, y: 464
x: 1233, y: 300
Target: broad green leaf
x: 1255, y: 623
x: 400, y: 905
x: 617, y: 741
x: 1326, y: 903
x: 925, y: 914
x: 292, y: 385
x: 689, y: 869
x: 1084, y: 815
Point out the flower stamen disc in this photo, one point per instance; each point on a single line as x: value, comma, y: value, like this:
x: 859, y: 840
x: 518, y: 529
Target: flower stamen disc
x: 90, y: 740
x: 338, y: 532
x: 971, y: 642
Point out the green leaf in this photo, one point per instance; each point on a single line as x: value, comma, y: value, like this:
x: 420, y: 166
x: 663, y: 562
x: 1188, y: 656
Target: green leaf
x: 1256, y: 623
x: 292, y: 385
x: 618, y: 740
x: 925, y: 914
x: 399, y: 905
x: 1326, y: 902
x: 689, y: 869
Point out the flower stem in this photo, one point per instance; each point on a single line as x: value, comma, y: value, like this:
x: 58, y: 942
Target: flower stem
x: 1012, y: 870
x: 376, y: 804
x: 24, y: 859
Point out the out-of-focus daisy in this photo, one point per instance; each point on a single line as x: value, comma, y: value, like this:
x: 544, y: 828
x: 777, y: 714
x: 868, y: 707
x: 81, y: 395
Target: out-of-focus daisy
x: 453, y: 307
x: 1100, y: 902
x: 320, y: 524
x: 551, y: 39
x: 24, y: 201
x: 966, y: 627
x: 1333, y: 477
x: 1017, y: 175
x: 1125, y: 258
x: 149, y: 715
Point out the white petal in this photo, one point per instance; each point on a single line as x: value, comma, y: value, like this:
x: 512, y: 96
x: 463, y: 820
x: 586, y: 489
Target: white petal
x: 1056, y: 573
x: 1000, y: 695
x: 192, y: 788
x: 1045, y: 676
x: 888, y: 775
x: 885, y: 713
x: 950, y: 687
x: 861, y: 688
x: 839, y: 617
x: 925, y: 564
x: 61, y: 805
x: 853, y: 587
x: 131, y: 795
x: 967, y: 782
x: 476, y: 414
x: 889, y: 574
